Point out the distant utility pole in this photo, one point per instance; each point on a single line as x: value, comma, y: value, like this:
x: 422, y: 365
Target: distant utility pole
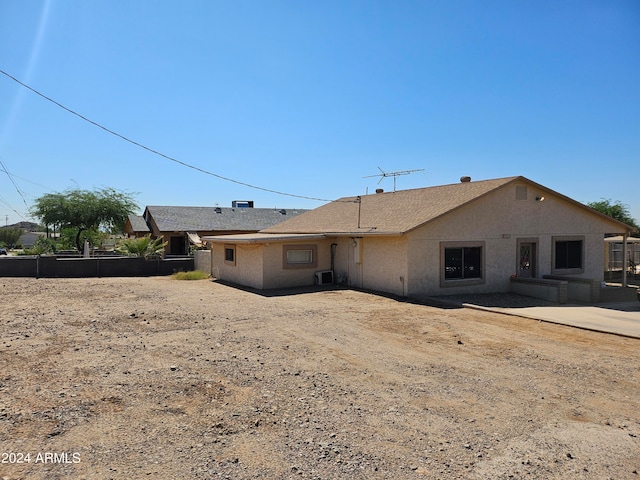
x: 6, y: 220
x: 392, y: 174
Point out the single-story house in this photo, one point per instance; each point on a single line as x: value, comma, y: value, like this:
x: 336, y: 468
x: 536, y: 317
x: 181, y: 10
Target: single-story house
x: 467, y: 237
x: 182, y: 226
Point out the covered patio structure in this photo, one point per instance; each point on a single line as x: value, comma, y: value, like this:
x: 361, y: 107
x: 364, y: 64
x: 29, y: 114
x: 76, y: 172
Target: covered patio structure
x: 622, y: 258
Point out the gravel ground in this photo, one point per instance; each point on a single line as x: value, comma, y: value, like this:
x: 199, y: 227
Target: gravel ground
x: 158, y: 378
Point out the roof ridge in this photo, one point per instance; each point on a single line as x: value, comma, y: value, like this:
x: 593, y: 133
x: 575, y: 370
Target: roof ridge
x: 501, y: 181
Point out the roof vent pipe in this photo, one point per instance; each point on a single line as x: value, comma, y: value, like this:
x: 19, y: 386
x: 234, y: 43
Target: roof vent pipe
x: 465, y: 179
x: 379, y: 190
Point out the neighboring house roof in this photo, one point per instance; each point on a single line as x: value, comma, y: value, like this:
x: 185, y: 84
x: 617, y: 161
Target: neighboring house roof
x: 138, y: 223
x: 396, y: 213
x: 28, y: 239
x: 203, y: 219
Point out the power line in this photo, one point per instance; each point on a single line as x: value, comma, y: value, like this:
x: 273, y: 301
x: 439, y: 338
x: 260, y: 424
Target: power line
x: 27, y: 180
x: 4, y: 168
x: 156, y: 152
x: 3, y: 201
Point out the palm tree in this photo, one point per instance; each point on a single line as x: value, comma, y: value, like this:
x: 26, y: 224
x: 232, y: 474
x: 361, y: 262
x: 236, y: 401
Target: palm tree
x: 142, y: 247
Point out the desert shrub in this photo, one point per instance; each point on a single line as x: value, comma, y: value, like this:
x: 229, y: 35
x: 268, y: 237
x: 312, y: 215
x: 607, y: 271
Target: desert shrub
x: 41, y: 246
x: 192, y: 275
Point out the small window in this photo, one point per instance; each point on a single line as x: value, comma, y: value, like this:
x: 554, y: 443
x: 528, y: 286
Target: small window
x: 568, y: 255
x: 299, y: 256
x: 230, y: 254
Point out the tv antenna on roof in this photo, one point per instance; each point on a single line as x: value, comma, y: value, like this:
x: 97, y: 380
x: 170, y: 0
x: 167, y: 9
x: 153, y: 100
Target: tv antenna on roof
x: 392, y: 174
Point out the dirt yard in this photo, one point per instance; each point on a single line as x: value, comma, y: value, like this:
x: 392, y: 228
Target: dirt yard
x: 166, y: 379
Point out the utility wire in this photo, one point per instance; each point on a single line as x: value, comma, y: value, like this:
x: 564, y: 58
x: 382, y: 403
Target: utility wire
x: 26, y: 180
x: 156, y: 152
x: 4, y: 168
x: 3, y: 201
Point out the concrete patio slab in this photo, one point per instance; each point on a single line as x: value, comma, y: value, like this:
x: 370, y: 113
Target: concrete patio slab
x: 620, y: 318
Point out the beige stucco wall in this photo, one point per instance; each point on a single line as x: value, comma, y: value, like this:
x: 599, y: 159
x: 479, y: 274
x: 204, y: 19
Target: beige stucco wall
x: 382, y: 263
x: 202, y: 260
x: 261, y: 265
x: 247, y: 269
x: 275, y: 276
x: 499, y: 219
x: 343, y: 261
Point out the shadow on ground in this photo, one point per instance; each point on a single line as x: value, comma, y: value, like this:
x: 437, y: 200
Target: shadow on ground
x: 513, y: 300
x: 487, y: 300
x: 498, y: 300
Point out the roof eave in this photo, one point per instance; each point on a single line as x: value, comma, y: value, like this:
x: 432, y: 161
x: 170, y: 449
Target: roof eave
x: 262, y: 238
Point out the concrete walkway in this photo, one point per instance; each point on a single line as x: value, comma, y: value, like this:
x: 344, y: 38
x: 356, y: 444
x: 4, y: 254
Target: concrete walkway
x: 621, y: 318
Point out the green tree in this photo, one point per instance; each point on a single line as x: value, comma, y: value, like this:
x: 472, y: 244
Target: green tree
x: 67, y: 237
x: 617, y: 210
x: 10, y: 235
x: 85, y: 210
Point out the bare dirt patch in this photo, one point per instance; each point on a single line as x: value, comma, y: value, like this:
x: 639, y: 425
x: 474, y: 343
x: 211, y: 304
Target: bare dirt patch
x: 157, y: 378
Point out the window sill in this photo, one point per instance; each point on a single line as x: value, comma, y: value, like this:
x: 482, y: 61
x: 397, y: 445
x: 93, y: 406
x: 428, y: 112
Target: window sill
x: 461, y: 282
x: 567, y: 271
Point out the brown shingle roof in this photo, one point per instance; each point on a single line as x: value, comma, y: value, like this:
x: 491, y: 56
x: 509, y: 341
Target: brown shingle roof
x: 388, y: 213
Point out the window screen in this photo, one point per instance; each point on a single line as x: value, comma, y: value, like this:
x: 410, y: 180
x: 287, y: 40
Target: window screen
x: 298, y: 257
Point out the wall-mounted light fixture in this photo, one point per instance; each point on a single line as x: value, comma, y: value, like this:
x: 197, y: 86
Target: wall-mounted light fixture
x: 540, y: 199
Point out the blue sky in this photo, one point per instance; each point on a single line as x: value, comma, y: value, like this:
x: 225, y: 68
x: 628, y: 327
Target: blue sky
x: 308, y: 97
